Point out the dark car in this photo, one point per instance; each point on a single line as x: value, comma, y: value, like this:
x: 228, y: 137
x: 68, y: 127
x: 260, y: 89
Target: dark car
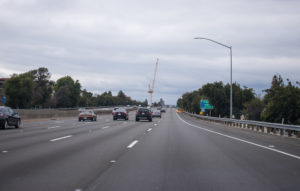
x: 143, y: 113
x: 9, y: 118
x: 87, y: 115
x: 120, y: 114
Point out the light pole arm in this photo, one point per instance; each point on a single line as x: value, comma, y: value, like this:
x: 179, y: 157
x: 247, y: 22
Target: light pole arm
x: 214, y: 42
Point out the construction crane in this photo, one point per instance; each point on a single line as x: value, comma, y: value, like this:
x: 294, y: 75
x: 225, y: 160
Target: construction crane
x: 150, y: 91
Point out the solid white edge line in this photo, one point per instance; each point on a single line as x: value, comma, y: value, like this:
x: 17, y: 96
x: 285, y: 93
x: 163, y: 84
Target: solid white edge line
x: 241, y: 140
x: 132, y: 144
x: 60, y: 138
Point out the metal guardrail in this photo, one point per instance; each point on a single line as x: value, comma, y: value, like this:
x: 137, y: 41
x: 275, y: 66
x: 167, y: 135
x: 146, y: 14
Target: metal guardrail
x: 254, y: 125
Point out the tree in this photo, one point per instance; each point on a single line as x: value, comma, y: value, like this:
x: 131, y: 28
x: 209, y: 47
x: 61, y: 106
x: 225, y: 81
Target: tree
x: 19, y: 91
x: 282, y: 102
x: 43, y: 87
x: 86, y: 99
x: 72, y: 90
x: 253, y: 109
x: 62, y: 96
x: 29, y: 89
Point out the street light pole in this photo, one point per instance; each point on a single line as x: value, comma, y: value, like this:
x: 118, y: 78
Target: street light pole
x: 230, y: 48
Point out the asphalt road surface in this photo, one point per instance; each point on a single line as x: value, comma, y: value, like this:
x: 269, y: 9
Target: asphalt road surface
x: 176, y: 152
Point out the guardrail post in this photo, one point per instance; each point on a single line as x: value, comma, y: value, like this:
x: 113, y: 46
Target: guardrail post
x: 298, y: 134
x: 281, y: 132
x: 289, y: 133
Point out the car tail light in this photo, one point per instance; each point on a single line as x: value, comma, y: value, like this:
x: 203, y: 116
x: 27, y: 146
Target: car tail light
x: 1, y: 114
x: 137, y: 112
x: 124, y: 113
x: 115, y: 113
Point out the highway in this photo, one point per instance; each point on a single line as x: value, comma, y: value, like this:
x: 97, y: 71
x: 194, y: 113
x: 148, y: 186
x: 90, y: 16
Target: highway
x: 176, y: 152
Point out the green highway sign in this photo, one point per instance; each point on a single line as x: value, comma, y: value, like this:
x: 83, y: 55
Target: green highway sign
x: 209, y: 106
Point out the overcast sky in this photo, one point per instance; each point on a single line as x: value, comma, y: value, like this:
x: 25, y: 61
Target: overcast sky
x: 113, y: 45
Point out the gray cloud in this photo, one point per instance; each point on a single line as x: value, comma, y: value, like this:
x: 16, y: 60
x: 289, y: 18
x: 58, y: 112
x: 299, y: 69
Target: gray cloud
x: 113, y: 45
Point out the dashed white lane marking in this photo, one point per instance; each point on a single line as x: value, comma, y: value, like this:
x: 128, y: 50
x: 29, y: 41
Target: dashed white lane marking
x: 53, y: 127
x: 149, y: 129
x: 4, y: 151
x: 241, y: 140
x: 132, y: 144
x: 78, y: 189
x: 105, y: 127
x: 155, y: 124
x: 112, y: 161
x: 60, y: 138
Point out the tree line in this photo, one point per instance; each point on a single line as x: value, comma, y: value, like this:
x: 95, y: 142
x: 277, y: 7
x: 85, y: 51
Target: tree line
x: 281, y: 102
x: 34, y: 89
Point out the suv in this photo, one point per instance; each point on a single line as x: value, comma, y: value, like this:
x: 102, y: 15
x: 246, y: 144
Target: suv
x: 9, y: 118
x: 143, y: 113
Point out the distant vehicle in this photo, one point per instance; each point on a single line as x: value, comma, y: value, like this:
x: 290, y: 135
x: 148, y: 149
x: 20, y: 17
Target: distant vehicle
x: 114, y: 110
x: 156, y: 113
x: 179, y: 110
x: 161, y: 109
x: 87, y: 115
x: 120, y: 114
x: 9, y: 118
x: 143, y: 113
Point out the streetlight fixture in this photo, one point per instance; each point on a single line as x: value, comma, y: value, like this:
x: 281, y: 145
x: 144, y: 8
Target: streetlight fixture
x: 230, y: 48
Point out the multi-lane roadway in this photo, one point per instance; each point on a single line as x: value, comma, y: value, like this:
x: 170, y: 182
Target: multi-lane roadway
x: 176, y: 152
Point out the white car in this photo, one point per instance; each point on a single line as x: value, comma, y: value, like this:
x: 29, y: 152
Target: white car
x: 156, y: 113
